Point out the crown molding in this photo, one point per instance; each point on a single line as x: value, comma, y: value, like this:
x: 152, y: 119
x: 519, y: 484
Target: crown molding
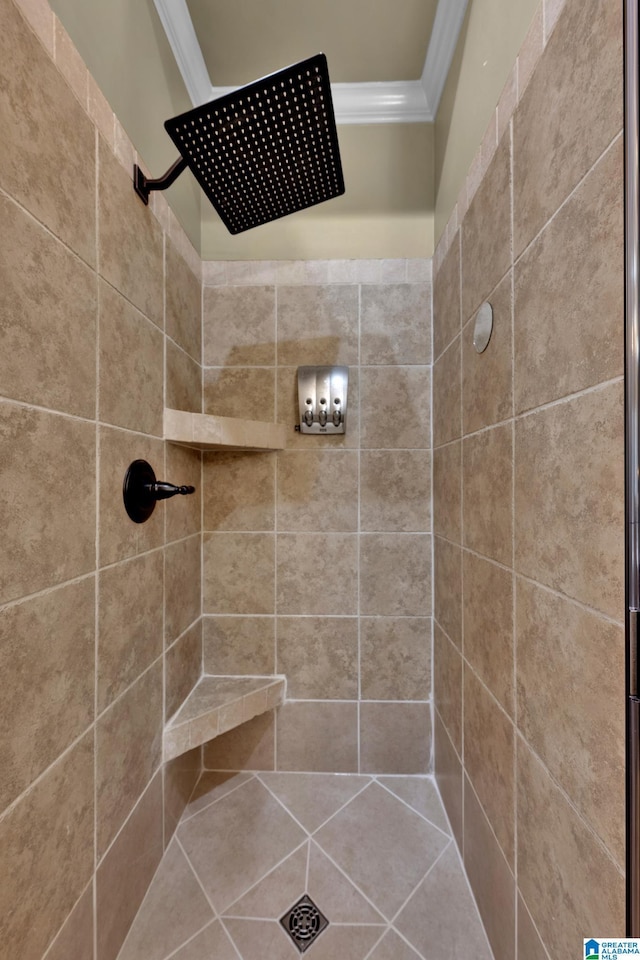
x: 444, y: 38
x: 178, y: 26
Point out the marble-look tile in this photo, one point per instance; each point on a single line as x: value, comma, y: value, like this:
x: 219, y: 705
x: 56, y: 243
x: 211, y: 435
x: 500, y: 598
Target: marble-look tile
x: 422, y: 795
x: 46, y: 848
x: 489, y: 759
x: 395, y: 737
x: 313, y: 798
x: 182, y: 586
x: 486, y: 254
x: 227, y: 857
x: 320, y: 736
x: 183, y: 466
x: 226, y: 559
x: 239, y: 645
x: 100, y: 111
x: 447, y: 395
x: 447, y: 685
x: 270, y: 897
x: 530, y: 946
x: 70, y: 63
x: 441, y: 917
x: 75, y: 939
x: 447, y: 491
x: 40, y: 17
x: 393, y: 947
x: 129, y: 623
x: 395, y: 658
x: 130, y: 239
x: 552, y: 11
x: 239, y: 326
x: 180, y: 777
x: 48, y: 535
x: 490, y: 878
x: 130, y: 363
x: 558, y: 857
x: 488, y: 625
x: 317, y: 491
x: 395, y: 574
x: 395, y: 323
x: 395, y: 407
x: 183, y: 667
x: 487, y: 395
x: 395, y: 491
x: 530, y: 51
x: 123, y: 877
x: 569, y: 113
x: 569, y: 507
x: 289, y: 414
x: 250, y: 746
x: 567, y: 334
x: 183, y: 307
x: 447, y: 588
x: 212, y: 942
x: 319, y: 657
x: 239, y: 491
x: 317, y: 574
x: 318, y: 324
x: 448, y: 770
x: 446, y: 301
x: 211, y: 787
x: 183, y: 380
x: 561, y: 649
x: 128, y: 752
x: 47, y: 302
x: 487, y: 493
x: 246, y: 392
x: 507, y: 102
x: 53, y: 176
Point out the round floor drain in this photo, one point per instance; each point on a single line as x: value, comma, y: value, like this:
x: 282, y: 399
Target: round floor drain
x: 304, y: 923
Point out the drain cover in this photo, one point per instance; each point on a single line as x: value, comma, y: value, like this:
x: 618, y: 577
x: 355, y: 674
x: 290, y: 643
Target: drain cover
x: 304, y: 923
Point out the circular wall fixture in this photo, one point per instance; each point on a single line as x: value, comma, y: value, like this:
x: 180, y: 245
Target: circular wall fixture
x: 483, y: 327
x: 139, y: 480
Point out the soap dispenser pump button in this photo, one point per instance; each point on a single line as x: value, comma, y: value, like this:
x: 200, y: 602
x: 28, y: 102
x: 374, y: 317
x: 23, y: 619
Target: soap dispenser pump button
x: 308, y: 417
x: 322, y: 417
x: 337, y: 417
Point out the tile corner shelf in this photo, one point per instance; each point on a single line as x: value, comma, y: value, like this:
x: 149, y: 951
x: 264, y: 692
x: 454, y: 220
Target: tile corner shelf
x: 217, y: 705
x: 207, y: 432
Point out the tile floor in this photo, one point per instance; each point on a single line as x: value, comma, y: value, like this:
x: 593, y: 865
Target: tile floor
x: 374, y: 854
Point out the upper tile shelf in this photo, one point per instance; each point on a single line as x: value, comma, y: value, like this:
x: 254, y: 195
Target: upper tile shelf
x: 207, y: 432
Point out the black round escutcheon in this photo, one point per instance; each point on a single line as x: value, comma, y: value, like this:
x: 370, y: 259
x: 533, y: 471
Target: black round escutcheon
x: 139, y: 501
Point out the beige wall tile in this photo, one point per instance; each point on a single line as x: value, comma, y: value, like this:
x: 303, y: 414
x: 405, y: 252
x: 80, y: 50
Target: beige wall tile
x: 39, y: 16
x: 48, y: 700
x: 530, y: 51
x: 48, y: 535
x: 227, y: 586
x: 129, y: 238
x: 395, y: 574
x: 183, y: 466
x: 318, y: 325
x: 46, y: 848
x: 569, y: 534
x: 448, y: 771
x: 131, y: 357
x: 490, y: 877
x: 567, y: 334
x: 129, y: 623
x: 180, y: 778
x: 123, y: 877
x: 446, y: 300
x: 486, y: 253
x: 487, y: 395
x: 395, y: 658
x: 487, y: 492
x: 239, y: 326
x: 183, y: 307
x: 561, y: 649
x: 447, y: 588
x: 319, y: 657
x: 447, y: 686
x: 247, y: 392
x: 250, y: 746
x: 395, y: 323
x: 100, y: 111
x: 489, y: 759
x: 318, y: 736
x: 447, y: 491
x: 552, y: 10
x: 239, y: 491
x: 558, y: 857
x: 70, y: 63
x: 288, y: 413
x: 182, y: 586
x: 488, y: 625
x: 48, y: 310
x: 395, y: 490
x: 183, y: 380
x: 395, y: 407
x: 395, y: 737
x: 447, y: 395
x: 52, y: 176
x: 317, y: 491
x: 183, y: 668
x: 239, y: 645
x: 507, y: 102
x: 569, y: 114
x: 317, y: 574
x: 128, y: 752
x: 530, y: 946
x: 75, y: 939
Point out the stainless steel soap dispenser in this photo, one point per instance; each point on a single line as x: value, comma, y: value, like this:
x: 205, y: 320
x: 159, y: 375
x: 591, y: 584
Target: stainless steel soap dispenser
x: 322, y: 399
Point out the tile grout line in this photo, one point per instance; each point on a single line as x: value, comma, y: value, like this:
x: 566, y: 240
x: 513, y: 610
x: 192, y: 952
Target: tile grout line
x: 513, y: 550
x: 406, y: 804
x: 98, y: 448
x: 195, y: 813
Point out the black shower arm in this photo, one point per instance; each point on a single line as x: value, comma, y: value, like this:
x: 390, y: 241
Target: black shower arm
x: 143, y: 185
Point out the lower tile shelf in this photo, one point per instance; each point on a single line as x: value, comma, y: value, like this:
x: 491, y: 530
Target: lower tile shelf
x: 218, y: 704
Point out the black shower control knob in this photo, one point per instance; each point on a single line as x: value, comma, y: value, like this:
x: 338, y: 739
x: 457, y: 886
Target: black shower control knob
x: 141, y: 490
x: 162, y: 490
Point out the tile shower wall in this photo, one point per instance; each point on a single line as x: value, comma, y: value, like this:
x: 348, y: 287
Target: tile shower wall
x: 99, y: 618
x: 317, y: 559
x: 528, y: 497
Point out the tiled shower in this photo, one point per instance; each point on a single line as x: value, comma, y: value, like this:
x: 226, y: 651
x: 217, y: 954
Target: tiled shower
x: 475, y: 502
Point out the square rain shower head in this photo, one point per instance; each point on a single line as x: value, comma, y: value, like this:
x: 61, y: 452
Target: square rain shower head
x: 266, y: 150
